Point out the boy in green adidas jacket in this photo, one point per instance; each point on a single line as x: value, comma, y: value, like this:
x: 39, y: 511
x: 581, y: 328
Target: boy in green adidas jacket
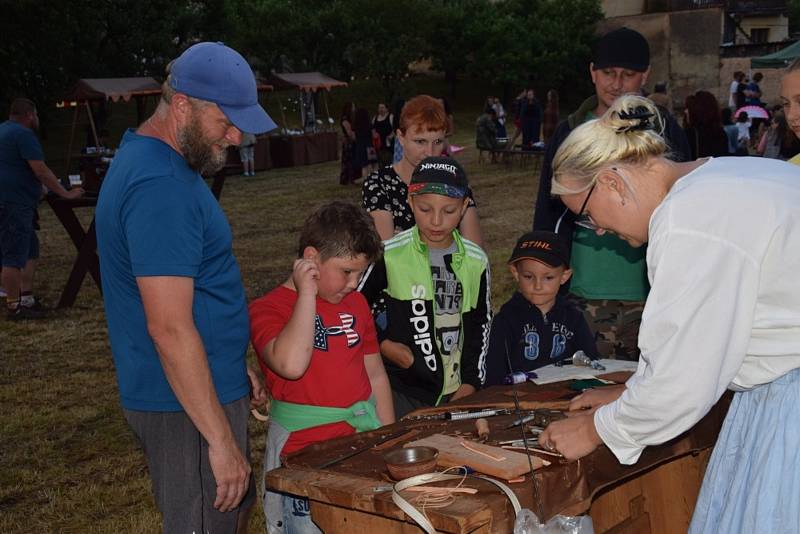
x: 435, y: 284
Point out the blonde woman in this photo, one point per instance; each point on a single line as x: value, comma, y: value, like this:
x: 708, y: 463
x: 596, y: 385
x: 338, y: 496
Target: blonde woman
x: 790, y: 99
x: 723, y: 313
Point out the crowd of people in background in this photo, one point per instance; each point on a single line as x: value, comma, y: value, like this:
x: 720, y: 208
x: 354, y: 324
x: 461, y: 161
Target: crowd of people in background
x: 746, y: 126
x: 532, y: 122
x: 369, y: 143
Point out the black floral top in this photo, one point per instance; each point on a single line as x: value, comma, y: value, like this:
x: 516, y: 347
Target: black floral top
x: 385, y: 190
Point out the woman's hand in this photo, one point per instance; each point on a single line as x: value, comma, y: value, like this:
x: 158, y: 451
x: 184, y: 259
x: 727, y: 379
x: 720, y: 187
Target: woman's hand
x: 589, y: 401
x: 574, y: 437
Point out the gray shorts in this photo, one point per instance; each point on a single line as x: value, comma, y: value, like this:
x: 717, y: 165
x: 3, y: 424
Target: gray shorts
x: 183, y: 484
x: 247, y: 153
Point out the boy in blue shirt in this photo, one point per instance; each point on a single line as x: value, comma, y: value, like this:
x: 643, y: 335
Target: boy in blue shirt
x: 537, y: 326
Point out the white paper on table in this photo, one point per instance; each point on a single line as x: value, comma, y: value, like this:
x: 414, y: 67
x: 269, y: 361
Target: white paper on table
x: 551, y: 373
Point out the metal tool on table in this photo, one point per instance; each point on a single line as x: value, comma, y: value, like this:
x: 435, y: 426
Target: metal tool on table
x: 520, y: 443
x: 580, y: 359
x: 537, y: 501
x: 459, y: 415
x: 540, y: 418
x: 359, y: 450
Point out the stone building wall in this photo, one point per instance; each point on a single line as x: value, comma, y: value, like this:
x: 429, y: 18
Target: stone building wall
x: 684, y: 48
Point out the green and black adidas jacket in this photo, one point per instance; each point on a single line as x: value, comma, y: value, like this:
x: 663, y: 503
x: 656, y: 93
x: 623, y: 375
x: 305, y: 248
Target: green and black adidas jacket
x: 403, y: 278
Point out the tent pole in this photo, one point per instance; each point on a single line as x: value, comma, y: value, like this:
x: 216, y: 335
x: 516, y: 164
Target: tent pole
x: 283, y: 116
x: 327, y: 111
x: 72, y: 137
x: 91, y: 123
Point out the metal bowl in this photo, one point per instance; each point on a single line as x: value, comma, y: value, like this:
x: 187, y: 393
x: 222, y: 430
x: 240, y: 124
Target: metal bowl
x: 410, y: 461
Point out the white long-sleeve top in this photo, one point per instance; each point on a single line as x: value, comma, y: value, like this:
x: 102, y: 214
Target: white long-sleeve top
x: 724, y: 309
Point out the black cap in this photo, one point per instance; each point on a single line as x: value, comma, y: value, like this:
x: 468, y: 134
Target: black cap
x: 624, y: 48
x: 439, y: 175
x: 547, y: 247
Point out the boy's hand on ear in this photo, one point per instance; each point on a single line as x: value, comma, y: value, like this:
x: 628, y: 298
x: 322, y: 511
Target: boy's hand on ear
x: 305, y: 275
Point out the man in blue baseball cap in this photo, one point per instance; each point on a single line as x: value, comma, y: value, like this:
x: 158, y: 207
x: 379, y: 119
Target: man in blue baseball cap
x: 174, y: 300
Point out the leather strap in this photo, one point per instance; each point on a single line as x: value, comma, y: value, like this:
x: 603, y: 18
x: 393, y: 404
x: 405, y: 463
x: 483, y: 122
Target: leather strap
x: 427, y: 478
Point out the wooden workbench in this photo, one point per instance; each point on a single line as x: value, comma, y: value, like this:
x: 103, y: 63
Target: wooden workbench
x: 657, y: 494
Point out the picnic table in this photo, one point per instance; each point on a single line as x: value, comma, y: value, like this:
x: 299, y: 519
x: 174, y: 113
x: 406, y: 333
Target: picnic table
x: 510, y: 155
x: 304, y: 149
x: 85, y: 242
x: 657, y: 494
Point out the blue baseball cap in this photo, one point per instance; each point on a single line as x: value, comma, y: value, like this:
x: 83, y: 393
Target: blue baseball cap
x: 219, y: 74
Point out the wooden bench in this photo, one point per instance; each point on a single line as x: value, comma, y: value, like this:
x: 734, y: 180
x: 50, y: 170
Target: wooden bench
x: 509, y: 155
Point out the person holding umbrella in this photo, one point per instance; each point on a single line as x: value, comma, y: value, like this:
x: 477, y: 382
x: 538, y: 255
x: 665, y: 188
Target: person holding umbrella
x: 723, y: 312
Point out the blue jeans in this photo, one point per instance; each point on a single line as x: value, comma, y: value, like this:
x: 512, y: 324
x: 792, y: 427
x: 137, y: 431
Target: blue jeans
x: 297, y: 516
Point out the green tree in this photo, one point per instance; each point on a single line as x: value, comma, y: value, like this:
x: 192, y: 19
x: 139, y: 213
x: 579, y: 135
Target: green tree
x: 279, y: 35
x: 794, y: 16
x: 343, y: 38
x: 514, y: 42
x: 383, y: 37
x: 48, y: 45
x: 455, y: 34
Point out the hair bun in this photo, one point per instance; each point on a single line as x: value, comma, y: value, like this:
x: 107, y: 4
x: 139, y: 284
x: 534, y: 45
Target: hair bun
x: 637, y: 118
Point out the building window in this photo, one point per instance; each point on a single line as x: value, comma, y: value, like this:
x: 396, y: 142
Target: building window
x: 759, y: 35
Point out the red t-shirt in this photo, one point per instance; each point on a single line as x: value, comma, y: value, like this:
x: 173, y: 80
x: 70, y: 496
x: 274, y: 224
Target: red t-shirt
x: 336, y: 376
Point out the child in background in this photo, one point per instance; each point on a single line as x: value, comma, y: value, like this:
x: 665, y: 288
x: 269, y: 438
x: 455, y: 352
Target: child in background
x: 731, y: 130
x: 317, y: 347
x: 436, y: 288
x: 247, y: 151
x: 743, y: 124
x: 537, y: 326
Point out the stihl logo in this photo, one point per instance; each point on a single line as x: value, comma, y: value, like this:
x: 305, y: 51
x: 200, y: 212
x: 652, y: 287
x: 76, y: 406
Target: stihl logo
x: 422, y: 327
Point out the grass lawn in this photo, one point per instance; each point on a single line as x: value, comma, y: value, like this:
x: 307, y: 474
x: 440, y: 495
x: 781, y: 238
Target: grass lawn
x: 68, y: 461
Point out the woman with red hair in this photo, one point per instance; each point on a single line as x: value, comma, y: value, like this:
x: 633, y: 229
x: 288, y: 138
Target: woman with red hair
x: 421, y: 134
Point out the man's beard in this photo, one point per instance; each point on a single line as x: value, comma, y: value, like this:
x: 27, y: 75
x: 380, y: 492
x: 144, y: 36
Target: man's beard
x: 197, y: 150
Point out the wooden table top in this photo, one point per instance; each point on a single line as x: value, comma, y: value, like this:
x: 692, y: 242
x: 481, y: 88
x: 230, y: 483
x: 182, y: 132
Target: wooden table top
x: 563, y: 487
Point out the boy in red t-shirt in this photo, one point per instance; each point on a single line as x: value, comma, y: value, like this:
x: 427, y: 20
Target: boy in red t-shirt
x: 317, y: 346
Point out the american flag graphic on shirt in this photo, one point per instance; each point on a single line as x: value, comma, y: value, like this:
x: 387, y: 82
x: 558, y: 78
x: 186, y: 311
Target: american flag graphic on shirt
x: 321, y: 332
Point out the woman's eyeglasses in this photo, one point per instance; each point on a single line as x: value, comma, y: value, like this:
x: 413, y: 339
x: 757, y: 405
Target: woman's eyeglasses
x: 584, y: 219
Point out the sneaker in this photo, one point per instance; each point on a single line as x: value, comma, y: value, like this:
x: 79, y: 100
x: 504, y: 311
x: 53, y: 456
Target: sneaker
x: 37, y: 304
x: 23, y: 313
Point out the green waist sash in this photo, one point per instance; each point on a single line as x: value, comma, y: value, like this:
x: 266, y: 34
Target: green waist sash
x: 294, y: 417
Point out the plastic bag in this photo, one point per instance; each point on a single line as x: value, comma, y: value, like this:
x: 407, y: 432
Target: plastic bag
x: 528, y: 523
